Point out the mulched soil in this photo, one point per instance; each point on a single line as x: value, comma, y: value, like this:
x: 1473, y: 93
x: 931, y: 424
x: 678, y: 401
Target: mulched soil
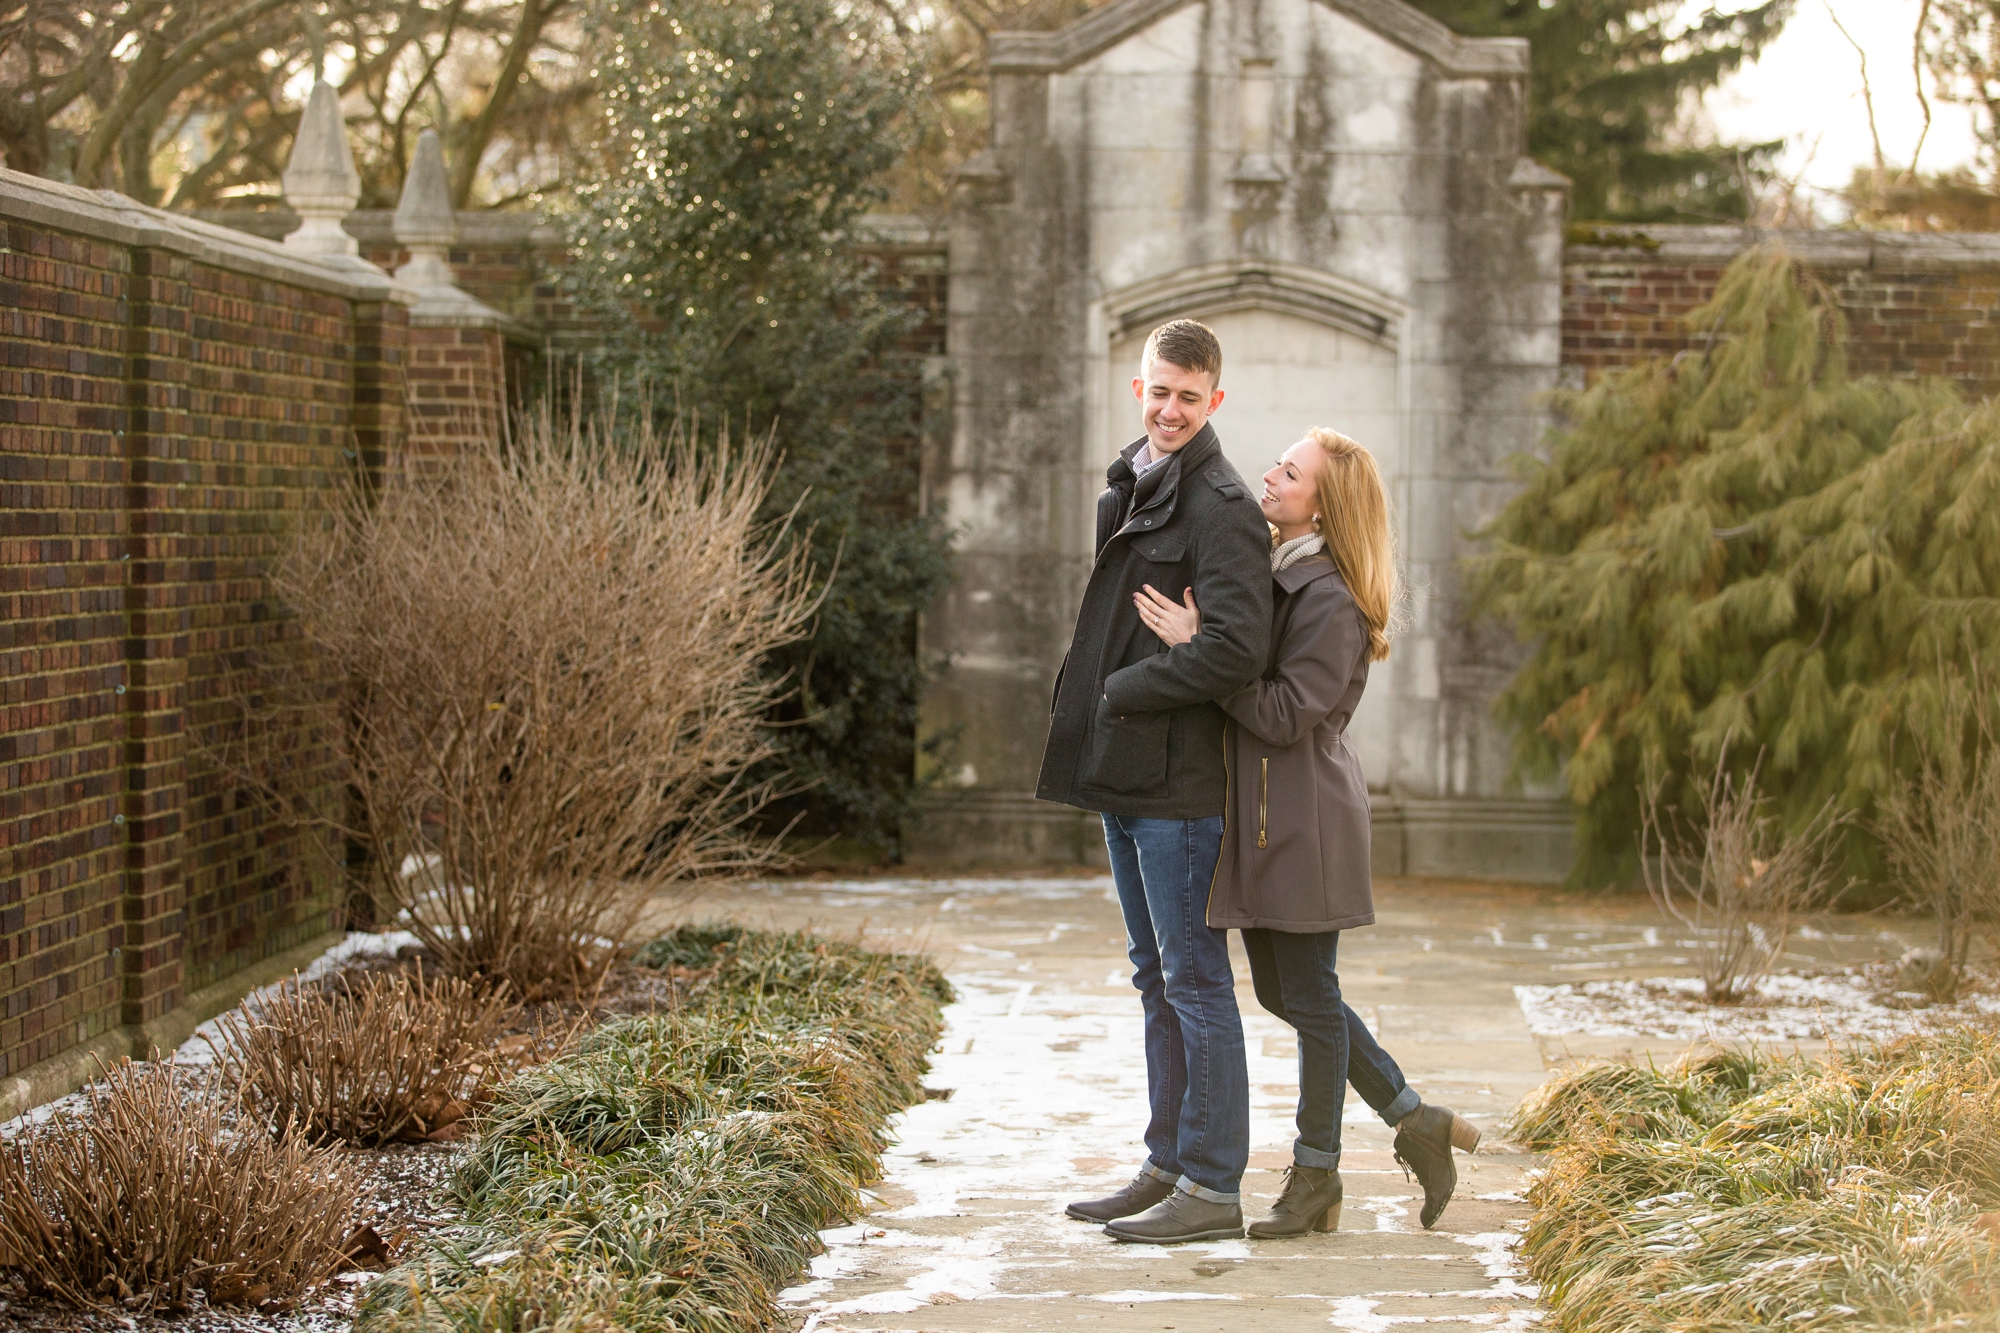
x: 405, y: 1185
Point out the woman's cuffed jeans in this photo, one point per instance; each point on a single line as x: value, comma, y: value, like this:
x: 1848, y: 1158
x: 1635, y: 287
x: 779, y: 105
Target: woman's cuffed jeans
x: 1198, y: 1133
x: 1295, y: 980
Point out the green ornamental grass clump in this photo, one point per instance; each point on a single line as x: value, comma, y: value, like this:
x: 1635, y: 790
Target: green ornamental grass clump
x: 1734, y: 1190
x: 672, y: 1172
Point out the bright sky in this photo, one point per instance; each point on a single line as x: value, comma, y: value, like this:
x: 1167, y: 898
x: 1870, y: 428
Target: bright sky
x: 1807, y: 88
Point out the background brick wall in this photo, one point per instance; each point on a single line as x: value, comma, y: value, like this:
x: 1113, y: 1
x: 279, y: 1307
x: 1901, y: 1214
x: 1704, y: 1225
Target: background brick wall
x: 168, y: 411
x: 1915, y: 304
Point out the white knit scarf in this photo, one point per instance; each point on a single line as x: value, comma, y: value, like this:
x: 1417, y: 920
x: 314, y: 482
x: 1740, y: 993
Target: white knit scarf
x: 1295, y: 550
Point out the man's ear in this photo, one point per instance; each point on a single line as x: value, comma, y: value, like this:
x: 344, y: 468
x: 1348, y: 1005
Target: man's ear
x: 1139, y: 388
x: 1215, y: 400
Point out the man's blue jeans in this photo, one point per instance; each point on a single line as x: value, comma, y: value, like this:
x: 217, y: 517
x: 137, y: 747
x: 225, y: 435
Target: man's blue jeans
x: 1198, y: 1136
x: 1295, y: 980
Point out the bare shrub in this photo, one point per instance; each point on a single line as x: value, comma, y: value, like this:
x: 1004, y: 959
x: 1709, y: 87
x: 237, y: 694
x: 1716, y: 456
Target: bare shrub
x: 1734, y: 878
x: 1940, y: 829
x: 152, y: 1194
x: 368, y: 1061
x: 553, y: 690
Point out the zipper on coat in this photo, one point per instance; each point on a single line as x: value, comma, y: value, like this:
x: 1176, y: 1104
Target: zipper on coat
x: 1228, y: 781
x: 1263, y: 796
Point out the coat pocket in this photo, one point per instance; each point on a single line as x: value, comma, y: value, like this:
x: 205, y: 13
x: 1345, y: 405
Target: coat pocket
x: 1128, y: 752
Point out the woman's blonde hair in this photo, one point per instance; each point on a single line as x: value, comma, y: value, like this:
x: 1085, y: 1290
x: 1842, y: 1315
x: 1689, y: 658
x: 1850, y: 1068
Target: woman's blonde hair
x: 1354, y: 521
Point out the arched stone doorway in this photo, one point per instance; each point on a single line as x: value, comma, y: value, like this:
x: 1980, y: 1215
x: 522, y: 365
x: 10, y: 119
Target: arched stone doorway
x: 1298, y: 349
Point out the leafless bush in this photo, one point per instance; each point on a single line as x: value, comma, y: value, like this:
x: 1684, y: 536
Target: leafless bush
x: 389, y: 1056
x: 1940, y: 827
x: 553, y: 690
x: 152, y: 1194
x: 1733, y: 877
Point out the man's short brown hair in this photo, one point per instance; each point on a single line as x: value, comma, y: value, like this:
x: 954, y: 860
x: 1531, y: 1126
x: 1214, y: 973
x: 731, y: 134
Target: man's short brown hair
x: 1189, y: 344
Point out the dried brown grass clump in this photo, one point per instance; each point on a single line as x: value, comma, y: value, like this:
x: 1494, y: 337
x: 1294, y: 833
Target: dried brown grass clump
x: 1732, y: 1191
x: 1734, y: 878
x: 389, y: 1056
x: 554, y: 689
x: 153, y: 1194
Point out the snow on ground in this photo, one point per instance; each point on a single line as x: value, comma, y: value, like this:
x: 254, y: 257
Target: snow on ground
x: 1047, y: 1104
x: 1844, y: 1006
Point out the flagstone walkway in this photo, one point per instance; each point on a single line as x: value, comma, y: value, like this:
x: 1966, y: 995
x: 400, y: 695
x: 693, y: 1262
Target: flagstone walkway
x: 1040, y: 1098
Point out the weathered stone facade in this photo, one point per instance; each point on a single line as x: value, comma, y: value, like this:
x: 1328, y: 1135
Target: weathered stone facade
x: 1338, y: 188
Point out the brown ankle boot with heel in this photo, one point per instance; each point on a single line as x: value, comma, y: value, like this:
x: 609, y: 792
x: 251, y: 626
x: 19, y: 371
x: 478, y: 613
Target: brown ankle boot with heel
x: 1310, y: 1201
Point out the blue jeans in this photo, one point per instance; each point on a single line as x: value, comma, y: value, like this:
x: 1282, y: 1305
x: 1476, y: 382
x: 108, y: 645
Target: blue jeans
x: 1198, y: 1135
x: 1295, y: 980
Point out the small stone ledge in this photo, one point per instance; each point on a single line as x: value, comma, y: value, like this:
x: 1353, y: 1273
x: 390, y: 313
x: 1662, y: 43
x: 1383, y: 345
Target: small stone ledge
x: 108, y: 216
x: 64, y: 1073
x: 1817, y: 248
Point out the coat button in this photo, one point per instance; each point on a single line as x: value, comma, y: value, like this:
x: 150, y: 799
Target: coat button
x: 1061, y: 712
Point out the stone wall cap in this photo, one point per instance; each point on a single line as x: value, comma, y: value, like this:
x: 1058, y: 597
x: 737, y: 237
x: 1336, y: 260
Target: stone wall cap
x: 1529, y: 174
x: 901, y: 231
x: 108, y: 216
x: 1102, y: 29
x: 1830, y: 247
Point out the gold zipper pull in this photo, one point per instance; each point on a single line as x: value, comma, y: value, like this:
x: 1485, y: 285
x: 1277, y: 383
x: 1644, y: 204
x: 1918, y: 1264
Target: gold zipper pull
x: 1263, y: 796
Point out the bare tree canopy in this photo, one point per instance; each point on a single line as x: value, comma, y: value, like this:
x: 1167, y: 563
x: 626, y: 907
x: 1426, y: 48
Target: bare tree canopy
x: 192, y: 103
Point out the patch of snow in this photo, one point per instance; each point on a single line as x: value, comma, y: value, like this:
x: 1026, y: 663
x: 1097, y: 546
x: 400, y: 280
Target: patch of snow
x: 1136, y: 1297
x: 196, y: 1050
x: 1786, y: 1006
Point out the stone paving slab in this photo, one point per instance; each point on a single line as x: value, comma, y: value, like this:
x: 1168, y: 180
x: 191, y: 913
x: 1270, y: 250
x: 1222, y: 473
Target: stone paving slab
x: 1045, y: 1075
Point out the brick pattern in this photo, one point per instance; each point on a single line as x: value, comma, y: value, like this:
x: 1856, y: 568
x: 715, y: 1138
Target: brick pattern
x: 457, y: 387
x: 269, y: 428
x: 63, y: 533
x: 163, y: 424
x: 1942, y: 322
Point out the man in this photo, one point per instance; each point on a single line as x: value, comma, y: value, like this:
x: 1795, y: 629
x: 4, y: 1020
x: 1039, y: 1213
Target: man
x: 1134, y: 735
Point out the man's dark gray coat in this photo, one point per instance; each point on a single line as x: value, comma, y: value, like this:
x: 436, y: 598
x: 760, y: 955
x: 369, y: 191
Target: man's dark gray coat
x: 1133, y: 728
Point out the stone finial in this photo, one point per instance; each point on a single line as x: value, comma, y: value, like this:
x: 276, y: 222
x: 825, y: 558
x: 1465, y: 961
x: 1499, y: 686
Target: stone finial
x: 426, y: 225
x: 321, y: 183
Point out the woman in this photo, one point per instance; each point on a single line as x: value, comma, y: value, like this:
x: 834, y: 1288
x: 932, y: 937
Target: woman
x: 1294, y: 867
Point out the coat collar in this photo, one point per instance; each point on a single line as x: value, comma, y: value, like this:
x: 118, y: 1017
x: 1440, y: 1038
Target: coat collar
x: 1314, y: 567
x: 1192, y: 455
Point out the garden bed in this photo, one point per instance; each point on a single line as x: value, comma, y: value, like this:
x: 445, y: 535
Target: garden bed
x: 1839, y: 1004
x: 671, y: 1170
x: 1737, y: 1191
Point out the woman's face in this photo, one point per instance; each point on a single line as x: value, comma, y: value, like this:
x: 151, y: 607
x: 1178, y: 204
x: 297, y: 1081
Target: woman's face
x: 1291, y: 497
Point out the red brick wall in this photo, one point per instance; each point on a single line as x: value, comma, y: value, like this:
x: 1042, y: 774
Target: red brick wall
x: 63, y: 304
x: 457, y: 387
x: 1907, y: 314
x: 163, y: 422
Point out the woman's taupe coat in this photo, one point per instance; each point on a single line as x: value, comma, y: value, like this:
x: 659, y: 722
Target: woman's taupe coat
x: 1295, y: 836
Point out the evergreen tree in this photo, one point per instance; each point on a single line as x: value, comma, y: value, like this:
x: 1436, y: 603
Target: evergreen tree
x: 744, y: 138
x: 1609, y: 81
x: 1744, y: 547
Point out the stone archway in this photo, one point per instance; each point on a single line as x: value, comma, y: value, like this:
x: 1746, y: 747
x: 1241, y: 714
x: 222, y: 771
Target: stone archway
x: 1299, y: 349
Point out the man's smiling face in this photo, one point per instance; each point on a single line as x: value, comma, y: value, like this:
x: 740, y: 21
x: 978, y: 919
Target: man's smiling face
x: 1175, y: 401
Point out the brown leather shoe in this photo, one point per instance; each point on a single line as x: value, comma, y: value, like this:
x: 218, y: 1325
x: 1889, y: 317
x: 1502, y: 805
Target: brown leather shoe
x: 1145, y: 1190
x: 1180, y: 1217
x: 1310, y: 1201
